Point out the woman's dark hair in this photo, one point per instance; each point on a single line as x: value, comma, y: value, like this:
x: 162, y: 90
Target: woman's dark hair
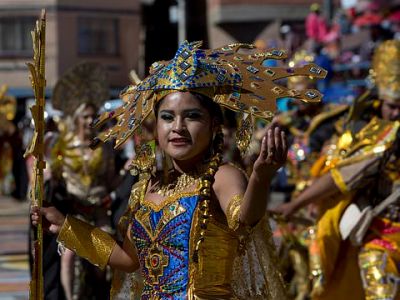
x: 213, y: 108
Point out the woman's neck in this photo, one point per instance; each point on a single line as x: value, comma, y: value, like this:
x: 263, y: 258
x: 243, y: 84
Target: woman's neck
x: 84, y: 138
x: 188, y: 166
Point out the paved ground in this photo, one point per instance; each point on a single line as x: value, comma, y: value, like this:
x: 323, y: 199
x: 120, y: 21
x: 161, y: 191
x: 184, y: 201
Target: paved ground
x: 14, y: 267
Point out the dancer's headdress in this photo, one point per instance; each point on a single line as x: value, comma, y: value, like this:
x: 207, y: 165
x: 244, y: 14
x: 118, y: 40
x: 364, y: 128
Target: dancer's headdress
x: 86, y: 82
x: 386, y: 70
x: 234, y: 79
x: 8, y: 104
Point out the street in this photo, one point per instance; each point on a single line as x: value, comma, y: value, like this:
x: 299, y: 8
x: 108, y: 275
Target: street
x: 14, y: 264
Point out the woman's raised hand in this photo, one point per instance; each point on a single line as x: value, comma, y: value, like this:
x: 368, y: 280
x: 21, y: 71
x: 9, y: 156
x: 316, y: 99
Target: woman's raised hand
x: 273, y: 152
x: 52, y: 219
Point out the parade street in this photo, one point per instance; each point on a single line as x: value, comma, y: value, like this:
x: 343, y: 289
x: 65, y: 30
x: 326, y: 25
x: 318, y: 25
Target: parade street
x: 14, y: 262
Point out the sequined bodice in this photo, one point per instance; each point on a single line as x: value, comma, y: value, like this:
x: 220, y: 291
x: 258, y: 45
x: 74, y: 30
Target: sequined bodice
x: 85, y: 171
x: 163, y: 237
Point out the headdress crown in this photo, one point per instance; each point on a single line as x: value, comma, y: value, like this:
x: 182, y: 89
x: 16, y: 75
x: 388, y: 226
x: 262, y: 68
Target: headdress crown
x: 232, y: 76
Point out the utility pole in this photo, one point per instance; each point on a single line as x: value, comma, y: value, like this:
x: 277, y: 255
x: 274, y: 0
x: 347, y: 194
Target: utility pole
x: 196, y: 21
x: 181, y: 21
x: 328, y: 10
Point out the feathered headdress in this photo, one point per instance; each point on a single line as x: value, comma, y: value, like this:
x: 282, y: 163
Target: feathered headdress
x: 234, y: 79
x: 86, y: 82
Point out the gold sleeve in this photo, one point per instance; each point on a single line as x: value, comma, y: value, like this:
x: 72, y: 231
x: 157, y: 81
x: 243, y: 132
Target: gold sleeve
x: 87, y: 241
x: 233, y: 212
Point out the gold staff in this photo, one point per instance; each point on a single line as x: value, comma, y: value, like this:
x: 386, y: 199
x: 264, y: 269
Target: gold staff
x: 36, y: 148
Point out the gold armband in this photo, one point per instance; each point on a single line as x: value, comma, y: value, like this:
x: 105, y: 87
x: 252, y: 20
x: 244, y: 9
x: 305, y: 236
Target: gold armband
x: 233, y: 212
x: 87, y: 241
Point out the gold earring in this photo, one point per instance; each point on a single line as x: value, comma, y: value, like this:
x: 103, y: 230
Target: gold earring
x: 145, y: 158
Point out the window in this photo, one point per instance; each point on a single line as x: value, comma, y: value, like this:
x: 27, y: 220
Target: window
x: 98, y: 36
x: 15, y: 36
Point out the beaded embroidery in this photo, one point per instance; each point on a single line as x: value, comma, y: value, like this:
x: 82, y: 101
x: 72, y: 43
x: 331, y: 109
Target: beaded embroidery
x: 162, y: 239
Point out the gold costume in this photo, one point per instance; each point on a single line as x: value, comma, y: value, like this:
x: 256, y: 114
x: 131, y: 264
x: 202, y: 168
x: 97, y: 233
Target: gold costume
x: 87, y: 174
x: 309, y: 127
x: 365, y: 167
x: 355, y: 159
x: 8, y: 105
x: 81, y: 177
x: 223, y: 272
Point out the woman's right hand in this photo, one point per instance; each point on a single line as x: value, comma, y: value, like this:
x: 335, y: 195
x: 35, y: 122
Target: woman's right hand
x: 286, y: 210
x: 52, y: 219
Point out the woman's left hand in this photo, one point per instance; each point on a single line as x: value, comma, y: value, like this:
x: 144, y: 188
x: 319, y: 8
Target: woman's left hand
x: 273, y: 152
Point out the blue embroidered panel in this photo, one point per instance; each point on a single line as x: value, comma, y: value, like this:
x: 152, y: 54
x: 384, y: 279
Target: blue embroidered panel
x: 162, y: 241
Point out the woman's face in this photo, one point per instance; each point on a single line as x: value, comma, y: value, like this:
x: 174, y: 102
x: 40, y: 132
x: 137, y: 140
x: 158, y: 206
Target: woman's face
x: 84, y: 121
x: 391, y: 110
x: 184, y: 127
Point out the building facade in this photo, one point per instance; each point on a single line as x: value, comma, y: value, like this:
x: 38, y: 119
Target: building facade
x: 92, y: 30
x: 251, y: 20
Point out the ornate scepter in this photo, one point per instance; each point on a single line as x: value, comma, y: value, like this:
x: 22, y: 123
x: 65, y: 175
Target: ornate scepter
x: 36, y: 148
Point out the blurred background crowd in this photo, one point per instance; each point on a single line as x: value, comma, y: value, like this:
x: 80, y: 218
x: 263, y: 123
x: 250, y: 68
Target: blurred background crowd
x: 95, y: 48
x: 128, y: 36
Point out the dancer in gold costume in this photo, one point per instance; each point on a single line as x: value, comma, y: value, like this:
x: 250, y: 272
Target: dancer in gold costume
x: 81, y: 178
x: 309, y: 126
x: 8, y: 130
x: 360, y: 171
x: 198, y: 230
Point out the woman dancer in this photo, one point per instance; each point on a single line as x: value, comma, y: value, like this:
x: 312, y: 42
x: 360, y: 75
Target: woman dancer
x: 196, y: 230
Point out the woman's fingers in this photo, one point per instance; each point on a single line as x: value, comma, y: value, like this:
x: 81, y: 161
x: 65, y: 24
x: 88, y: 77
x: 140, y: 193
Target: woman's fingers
x: 271, y: 145
x: 35, y: 209
x: 35, y: 215
x: 283, y: 146
x: 35, y: 219
x: 51, y: 220
x: 278, y: 144
x: 36, y: 212
x: 264, y: 147
x: 274, y: 146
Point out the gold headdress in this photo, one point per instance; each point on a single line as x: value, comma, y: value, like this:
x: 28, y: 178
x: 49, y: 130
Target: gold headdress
x: 85, y: 82
x: 237, y: 81
x: 386, y: 70
x: 8, y: 104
